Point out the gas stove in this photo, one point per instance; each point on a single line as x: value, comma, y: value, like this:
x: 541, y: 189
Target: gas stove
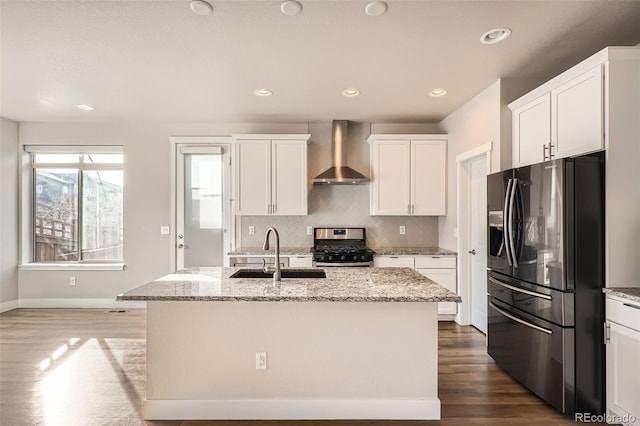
x: 341, y: 247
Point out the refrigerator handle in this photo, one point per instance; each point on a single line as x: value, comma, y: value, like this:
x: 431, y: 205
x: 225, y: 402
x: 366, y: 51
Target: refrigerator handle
x: 505, y: 215
x: 512, y: 199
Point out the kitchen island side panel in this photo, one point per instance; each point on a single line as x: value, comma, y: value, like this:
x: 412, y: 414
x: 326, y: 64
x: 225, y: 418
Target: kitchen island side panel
x: 340, y: 351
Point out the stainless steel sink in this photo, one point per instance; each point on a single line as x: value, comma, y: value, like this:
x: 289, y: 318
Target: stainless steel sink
x: 286, y: 273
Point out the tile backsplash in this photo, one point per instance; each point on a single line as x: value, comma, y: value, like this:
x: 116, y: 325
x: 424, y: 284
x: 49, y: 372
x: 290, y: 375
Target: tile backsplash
x: 342, y: 206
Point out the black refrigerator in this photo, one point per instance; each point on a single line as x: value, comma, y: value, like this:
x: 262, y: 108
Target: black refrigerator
x: 545, y: 278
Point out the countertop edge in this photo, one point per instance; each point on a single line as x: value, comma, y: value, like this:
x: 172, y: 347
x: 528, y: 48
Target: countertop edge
x: 379, y: 251
x: 627, y: 293
x: 284, y: 299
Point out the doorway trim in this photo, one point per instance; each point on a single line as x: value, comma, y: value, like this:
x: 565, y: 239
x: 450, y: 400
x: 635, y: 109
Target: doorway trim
x: 463, y: 224
x: 199, y: 141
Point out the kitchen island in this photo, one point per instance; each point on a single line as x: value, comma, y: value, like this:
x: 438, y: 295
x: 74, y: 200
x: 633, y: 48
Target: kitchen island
x: 358, y: 344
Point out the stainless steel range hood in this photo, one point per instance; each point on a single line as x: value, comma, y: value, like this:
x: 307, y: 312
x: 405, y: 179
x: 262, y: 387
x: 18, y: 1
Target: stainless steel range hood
x: 340, y: 173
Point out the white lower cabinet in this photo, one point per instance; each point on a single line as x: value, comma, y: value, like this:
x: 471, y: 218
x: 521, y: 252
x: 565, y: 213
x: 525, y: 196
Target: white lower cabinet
x: 439, y: 269
x: 623, y: 361
x: 442, y: 270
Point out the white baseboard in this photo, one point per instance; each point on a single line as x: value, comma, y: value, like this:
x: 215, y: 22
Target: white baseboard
x: 401, y: 409
x: 108, y: 303
x: 8, y: 306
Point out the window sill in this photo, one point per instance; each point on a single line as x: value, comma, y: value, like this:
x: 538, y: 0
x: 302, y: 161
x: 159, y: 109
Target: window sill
x: 72, y: 267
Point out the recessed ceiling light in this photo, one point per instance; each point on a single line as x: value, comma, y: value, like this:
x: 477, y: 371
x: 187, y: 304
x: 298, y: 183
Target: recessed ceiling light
x: 263, y: 92
x: 495, y: 36
x: 85, y: 107
x: 291, y: 7
x: 351, y: 92
x: 201, y: 7
x: 437, y: 92
x: 375, y: 8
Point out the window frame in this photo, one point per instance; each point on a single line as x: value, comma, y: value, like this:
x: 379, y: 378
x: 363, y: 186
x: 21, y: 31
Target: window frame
x: 28, y: 205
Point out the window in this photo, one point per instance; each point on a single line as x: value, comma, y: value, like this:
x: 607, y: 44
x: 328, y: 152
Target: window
x: 77, y: 205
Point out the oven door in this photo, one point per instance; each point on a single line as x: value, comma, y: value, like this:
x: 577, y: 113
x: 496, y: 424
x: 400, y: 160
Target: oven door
x: 537, y: 353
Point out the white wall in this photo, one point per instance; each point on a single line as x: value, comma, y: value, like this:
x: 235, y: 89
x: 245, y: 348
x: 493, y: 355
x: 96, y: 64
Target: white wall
x: 147, y: 201
x: 8, y: 215
x: 485, y: 118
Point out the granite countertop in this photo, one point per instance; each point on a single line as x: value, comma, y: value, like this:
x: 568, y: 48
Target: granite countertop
x: 340, y: 285
x: 413, y: 251
x: 629, y: 293
x: 383, y: 251
x: 284, y: 251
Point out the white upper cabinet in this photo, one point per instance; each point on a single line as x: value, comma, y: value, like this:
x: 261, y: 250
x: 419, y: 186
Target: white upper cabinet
x: 562, y: 118
x: 408, y: 175
x: 532, y: 131
x: 271, y: 174
x: 428, y: 177
x: 577, y: 110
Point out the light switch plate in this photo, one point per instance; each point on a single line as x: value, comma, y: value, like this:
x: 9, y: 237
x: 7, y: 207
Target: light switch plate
x: 164, y: 230
x: 403, y: 229
x: 309, y: 230
x: 252, y: 230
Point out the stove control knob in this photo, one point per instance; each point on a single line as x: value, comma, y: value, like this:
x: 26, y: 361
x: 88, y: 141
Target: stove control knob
x: 330, y: 258
x: 356, y: 258
x: 343, y: 257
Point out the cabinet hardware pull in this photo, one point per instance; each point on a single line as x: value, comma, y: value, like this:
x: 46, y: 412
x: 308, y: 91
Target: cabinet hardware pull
x: 408, y: 208
x: 274, y: 208
x: 269, y: 208
x: 413, y: 208
x: 551, y: 146
x: 631, y: 306
x: 544, y: 151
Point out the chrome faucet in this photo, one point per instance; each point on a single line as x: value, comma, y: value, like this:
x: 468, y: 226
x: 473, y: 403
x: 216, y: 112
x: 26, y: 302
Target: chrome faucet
x: 275, y: 268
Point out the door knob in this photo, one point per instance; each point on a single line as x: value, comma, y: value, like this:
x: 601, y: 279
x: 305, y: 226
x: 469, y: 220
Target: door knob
x: 180, y: 245
x: 472, y: 252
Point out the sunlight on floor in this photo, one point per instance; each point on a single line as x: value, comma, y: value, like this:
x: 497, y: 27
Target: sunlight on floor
x: 87, y: 380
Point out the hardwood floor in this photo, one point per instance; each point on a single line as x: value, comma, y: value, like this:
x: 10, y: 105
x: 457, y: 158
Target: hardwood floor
x: 87, y: 366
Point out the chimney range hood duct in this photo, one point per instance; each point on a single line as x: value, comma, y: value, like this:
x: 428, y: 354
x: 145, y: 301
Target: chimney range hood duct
x: 340, y: 173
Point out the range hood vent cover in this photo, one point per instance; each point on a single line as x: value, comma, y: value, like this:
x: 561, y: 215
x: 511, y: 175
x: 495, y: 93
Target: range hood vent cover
x: 339, y: 173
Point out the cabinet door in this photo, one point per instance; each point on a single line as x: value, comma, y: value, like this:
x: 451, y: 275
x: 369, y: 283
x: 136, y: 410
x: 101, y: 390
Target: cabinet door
x: 531, y: 131
x: 391, y: 178
x: 290, y: 181
x: 447, y: 279
x: 428, y: 178
x: 253, y: 177
x: 577, y: 114
x: 623, y: 373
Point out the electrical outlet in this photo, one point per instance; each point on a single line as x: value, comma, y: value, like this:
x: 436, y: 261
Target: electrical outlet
x: 261, y: 360
x: 403, y: 229
x: 252, y: 230
x: 72, y: 280
x: 164, y: 230
x: 309, y: 230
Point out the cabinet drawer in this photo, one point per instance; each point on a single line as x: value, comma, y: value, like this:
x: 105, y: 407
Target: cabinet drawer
x: 300, y: 262
x: 393, y: 261
x: 625, y: 313
x: 435, y: 262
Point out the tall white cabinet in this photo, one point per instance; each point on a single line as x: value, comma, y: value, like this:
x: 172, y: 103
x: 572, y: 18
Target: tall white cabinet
x: 271, y: 174
x: 408, y: 175
x: 593, y: 106
x: 623, y: 360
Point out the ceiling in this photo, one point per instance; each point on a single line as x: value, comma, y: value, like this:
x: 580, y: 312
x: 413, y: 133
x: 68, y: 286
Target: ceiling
x: 157, y: 60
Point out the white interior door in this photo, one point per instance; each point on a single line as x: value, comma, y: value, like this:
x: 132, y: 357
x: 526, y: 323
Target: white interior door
x: 478, y: 242
x: 202, y: 206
